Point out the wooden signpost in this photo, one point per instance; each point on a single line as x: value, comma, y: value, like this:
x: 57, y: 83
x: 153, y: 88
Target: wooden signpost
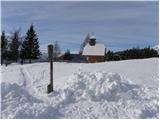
x: 50, y: 57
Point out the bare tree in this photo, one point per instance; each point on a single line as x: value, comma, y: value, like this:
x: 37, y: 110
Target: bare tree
x: 56, y: 51
x: 86, y: 40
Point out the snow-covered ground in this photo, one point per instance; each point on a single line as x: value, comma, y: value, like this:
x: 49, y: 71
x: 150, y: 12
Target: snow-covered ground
x: 121, y: 89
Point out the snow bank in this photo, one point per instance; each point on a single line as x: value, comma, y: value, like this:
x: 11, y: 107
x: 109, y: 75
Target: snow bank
x: 18, y: 103
x: 108, y: 95
x: 86, y: 95
x: 102, y: 85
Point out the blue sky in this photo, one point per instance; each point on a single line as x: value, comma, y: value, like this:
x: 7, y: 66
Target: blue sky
x: 119, y: 25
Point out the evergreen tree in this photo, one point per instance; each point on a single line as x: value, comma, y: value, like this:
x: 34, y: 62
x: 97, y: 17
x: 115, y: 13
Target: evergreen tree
x: 86, y: 40
x: 67, y: 55
x: 4, y: 46
x: 14, y: 46
x: 30, y: 46
x: 56, y: 51
x: 137, y: 53
x: 109, y: 55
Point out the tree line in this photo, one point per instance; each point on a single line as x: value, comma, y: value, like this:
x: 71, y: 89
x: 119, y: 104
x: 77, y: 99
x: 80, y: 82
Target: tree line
x: 15, y: 47
x: 133, y: 53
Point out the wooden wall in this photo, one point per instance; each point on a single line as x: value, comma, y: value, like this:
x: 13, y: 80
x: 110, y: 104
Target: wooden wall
x: 94, y: 59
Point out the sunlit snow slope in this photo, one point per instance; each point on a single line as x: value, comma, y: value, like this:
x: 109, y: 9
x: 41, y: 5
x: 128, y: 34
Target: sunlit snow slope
x: 123, y: 89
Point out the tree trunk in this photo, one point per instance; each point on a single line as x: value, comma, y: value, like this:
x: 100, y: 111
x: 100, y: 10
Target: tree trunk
x: 1, y: 60
x: 29, y: 60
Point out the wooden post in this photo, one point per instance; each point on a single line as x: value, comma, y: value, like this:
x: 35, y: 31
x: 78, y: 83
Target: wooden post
x: 50, y: 57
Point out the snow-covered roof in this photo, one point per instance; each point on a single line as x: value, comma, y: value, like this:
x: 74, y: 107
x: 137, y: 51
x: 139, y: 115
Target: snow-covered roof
x: 92, y: 37
x: 97, y: 50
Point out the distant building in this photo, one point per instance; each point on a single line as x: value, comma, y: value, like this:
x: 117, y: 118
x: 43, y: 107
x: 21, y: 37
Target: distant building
x: 93, y: 51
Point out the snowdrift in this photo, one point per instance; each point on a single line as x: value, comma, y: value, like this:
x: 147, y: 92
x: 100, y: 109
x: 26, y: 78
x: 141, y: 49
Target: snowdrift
x: 87, y: 95
x: 104, y: 86
x: 18, y: 103
x: 108, y: 95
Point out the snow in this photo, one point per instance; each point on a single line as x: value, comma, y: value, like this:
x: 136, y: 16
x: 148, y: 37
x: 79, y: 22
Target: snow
x: 92, y: 37
x: 18, y: 103
x: 122, y: 89
x: 98, y: 49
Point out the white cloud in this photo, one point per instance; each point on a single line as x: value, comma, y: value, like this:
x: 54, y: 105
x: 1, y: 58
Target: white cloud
x: 69, y: 22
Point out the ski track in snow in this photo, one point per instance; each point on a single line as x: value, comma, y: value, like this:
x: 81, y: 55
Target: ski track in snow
x: 30, y: 87
x: 97, y: 94
x: 27, y: 84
